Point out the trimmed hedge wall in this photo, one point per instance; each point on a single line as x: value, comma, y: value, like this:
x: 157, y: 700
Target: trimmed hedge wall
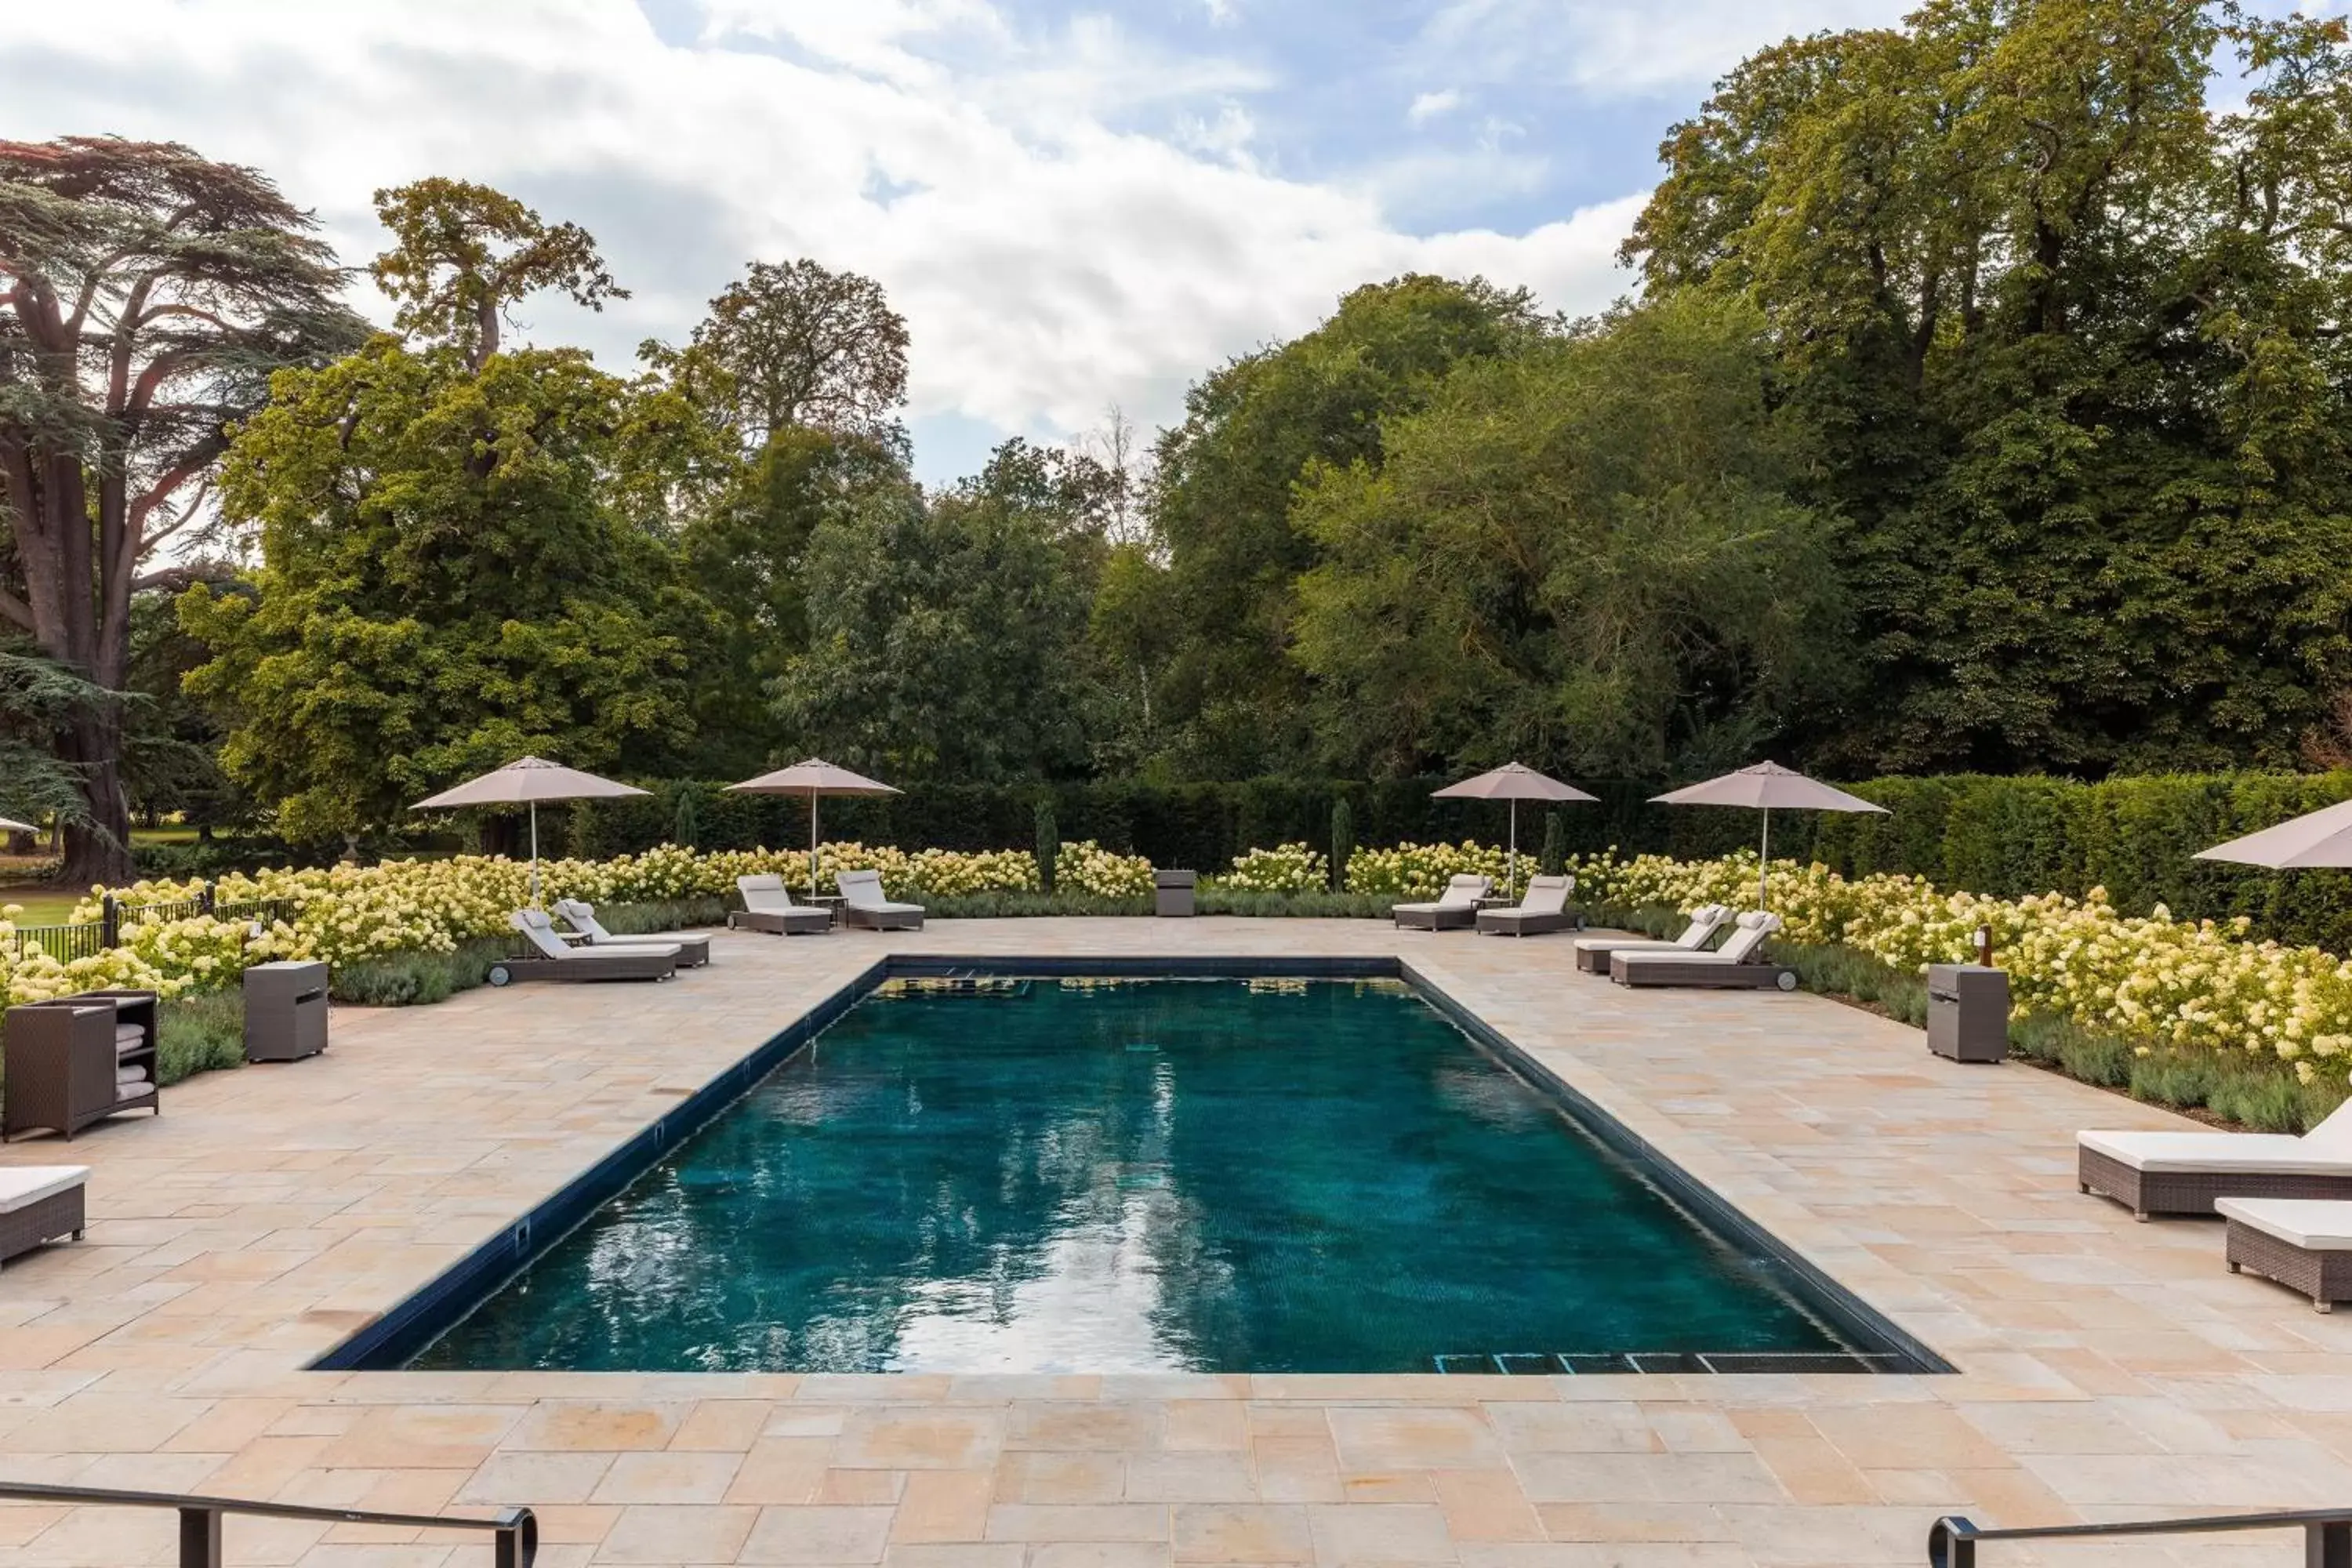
x: 2006, y: 837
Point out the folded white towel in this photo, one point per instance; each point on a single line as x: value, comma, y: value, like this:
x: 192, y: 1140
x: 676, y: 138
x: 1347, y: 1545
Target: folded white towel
x: 129, y: 1034
x: 131, y: 1075
x: 132, y: 1090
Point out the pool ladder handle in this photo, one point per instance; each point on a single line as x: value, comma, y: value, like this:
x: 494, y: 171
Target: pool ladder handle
x: 2326, y: 1534
x: 514, y: 1538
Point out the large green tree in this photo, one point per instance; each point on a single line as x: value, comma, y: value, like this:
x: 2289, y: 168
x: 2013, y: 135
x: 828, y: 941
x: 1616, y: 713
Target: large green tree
x: 146, y: 294
x: 1225, y: 482
x: 2073, y: 338
x: 947, y: 633
x: 1585, y: 556
x: 445, y: 584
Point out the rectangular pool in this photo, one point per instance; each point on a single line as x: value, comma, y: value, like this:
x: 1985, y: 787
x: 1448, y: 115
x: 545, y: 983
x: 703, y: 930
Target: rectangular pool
x: 1097, y: 1175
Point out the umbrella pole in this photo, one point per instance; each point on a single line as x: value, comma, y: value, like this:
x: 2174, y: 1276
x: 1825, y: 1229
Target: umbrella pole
x: 812, y: 844
x: 534, y: 854
x: 1764, y: 864
x: 1511, y: 866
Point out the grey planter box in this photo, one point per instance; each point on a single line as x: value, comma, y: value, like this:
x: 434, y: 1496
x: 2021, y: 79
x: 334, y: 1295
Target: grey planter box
x: 285, y: 1012
x: 1967, y: 1012
x: 1171, y: 892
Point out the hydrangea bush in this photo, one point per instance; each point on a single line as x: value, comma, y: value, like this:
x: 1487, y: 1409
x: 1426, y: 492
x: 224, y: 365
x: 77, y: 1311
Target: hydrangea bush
x: 1421, y: 870
x: 1284, y: 868
x: 1087, y: 867
x: 2149, y: 978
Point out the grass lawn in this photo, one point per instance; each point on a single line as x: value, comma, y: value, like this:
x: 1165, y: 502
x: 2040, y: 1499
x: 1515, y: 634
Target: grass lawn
x: 44, y: 905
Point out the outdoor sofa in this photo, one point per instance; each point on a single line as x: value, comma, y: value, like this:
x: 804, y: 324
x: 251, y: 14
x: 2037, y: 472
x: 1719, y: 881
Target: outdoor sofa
x: 693, y: 947
x: 768, y: 906
x: 2189, y: 1172
x: 1542, y: 908
x: 1593, y: 951
x: 862, y: 904
x: 39, y: 1204
x: 1734, y: 966
x: 1456, y: 908
x: 553, y: 958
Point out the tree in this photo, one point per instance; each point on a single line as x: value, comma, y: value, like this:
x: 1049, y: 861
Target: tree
x: 1585, y: 555
x: 39, y: 696
x: 798, y: 345
x: 1223, y: 488
x: 2073, y: 345
x: 446, y: 585
x: 946, y: 637
x: 146, y: 294
x: 462, y: 254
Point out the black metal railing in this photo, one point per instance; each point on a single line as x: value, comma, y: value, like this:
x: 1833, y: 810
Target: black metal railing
x: 2326, y: 1534
x: 88, y: 939
x: 514, y: 1532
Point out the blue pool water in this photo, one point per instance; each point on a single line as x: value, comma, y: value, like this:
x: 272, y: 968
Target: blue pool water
x: 1120, y: 1175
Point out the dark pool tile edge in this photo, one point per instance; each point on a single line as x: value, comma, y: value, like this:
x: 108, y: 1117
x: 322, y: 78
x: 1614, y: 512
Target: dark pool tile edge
x: 1872, y: 1331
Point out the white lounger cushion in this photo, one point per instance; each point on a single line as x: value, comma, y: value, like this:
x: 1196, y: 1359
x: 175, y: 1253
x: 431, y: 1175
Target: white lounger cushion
x: 2308, y: 1224
x: 1462, y: 892
x: 1704, y: 921
x: 862, y: 891
x: 540, y: 931
x: 1754, y: 927
x: 2325, y: 1150
x: 22, y: 1187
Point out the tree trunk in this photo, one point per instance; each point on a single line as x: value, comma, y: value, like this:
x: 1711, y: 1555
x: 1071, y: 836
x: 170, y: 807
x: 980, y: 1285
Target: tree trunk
x: 99, y: 852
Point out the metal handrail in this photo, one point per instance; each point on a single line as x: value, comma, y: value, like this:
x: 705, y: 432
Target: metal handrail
x: 2326, y: 1533
x: 514, y: 1541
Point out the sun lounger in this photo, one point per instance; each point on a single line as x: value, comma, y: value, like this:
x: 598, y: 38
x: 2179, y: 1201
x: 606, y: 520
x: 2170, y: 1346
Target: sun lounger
x: 768, y: 906
x: 2189, y: 1172
x: 693, y: 949
x: 553, y: 958
x: 1736, y: 966
x: 1593, y: 951
x: 1456, y: 908
x: 864, y: 905
x: 1542, y: 908
x: 39, y: 1204
x: 2304, y: 1244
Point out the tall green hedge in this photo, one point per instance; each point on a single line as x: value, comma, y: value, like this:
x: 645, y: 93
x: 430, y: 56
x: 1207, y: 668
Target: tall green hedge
x: 2009, y: 836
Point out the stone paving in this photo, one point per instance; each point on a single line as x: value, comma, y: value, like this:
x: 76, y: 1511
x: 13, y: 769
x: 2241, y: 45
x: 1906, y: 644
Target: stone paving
x: 2107, y: 1369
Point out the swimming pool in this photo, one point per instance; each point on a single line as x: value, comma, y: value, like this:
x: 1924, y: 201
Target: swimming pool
x: 1076, y: 1173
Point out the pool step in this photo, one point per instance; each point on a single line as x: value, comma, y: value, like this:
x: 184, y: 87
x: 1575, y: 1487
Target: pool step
x: 1550, y: 1364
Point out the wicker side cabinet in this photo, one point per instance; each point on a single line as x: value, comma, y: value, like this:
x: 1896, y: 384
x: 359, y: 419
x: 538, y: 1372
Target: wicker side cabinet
x: 66, y: 1061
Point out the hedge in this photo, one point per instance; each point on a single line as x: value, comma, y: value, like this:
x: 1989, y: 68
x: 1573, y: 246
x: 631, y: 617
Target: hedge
x: 2003, y: 836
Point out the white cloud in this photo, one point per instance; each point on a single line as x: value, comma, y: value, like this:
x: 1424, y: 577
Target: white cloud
x: 1616, y: 46
x: 1429, y: 106
x: 1050, y: 257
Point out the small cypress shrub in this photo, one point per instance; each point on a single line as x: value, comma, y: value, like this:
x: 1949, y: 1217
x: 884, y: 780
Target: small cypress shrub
x: 686, y: 825
x: 1554, y: 843
x: 1343, y: 842
x: 1049, y: 841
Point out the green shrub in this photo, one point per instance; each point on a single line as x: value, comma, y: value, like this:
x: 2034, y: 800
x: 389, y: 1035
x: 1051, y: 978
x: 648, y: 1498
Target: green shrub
x: 1343, y: 841
x: 1049, y: 841
x: 201, y: 1033
x: 418, y: 979
x: 1318, y: 904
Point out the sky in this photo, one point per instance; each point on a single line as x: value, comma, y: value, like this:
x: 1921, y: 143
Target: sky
x: 1075, y: 206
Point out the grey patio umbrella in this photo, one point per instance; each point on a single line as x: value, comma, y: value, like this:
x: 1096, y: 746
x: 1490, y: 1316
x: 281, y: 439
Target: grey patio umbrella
x: 527, y: 781
x: 10, y: 825
x: 1513, y: 782
x: 2317, y: 838
x: 812, y: 778
x: 1761, y: 788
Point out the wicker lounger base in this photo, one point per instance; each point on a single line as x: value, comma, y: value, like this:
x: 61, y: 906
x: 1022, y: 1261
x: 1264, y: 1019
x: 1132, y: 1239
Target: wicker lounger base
x: 2147, y: 1193
x: 881, y: 920
x: 1511, y: 922
x: 1699, y: 976
x: 2325, y: 1275
x: 783, y: 922
x: 646, y: 964
x: 51, y: 1219
x: 1461, y: 919
x: 1595, y: 960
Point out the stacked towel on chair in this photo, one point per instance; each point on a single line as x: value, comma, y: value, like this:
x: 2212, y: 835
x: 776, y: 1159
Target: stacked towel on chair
x: 127, y: 1037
